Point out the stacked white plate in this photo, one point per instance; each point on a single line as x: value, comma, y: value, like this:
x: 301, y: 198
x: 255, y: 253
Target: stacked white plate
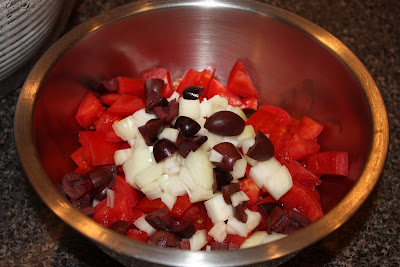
x: 24, y: 26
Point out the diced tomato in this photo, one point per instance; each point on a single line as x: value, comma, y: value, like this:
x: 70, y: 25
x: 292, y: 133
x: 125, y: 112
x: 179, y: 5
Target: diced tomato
x: 249, y: 102
x: 303, y: 200
x: 104, y: 126
x: 196, y: 78
x: 248, y: 186
x: 124, y: 190
x: 137, y: 214
x: 239, y: 81
x: 78, y: 159
x: 333, y: 162
x: 268, y: 199
x: 137, y: 235
x: 95, y: 150
x: 181, y: 205
x: 307, y: 128
x: 281, y: 114
x: 109, y: 99
x: 299, y: 172
x: 126, y: 105
x: 89, y: 110
x: 163, y: 74
x: 130, y: 86
x: 297, y: 148
x: 267, y: 123
x: 106, y: 216
x: 217, y: 88
x: 146, y: 205
x: 235, y: 239
x: 197, y: 213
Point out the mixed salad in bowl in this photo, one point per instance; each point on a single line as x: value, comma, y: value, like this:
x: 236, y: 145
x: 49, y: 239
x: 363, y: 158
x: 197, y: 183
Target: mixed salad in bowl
x: 196, y: 164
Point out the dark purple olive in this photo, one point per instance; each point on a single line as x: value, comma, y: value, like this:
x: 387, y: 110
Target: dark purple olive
x: 184, y: 230
x: 100, y: 176
x: 219, y: 246
x: 298, y: 218
x: 249, y: 112
x: 187, y: 145
x: 225, y: 123
x: 74, y: 185
x: 187, y: 126
x: 88, y: 211
x: 277, y: 221
x: 192, y: 92
x: 229, y: 190
x: 222, y: 177
x: 160, y: 219
x: 169, y: 112
x: 164, y: 239
x: 163, y: 148
x: 151, y: 130
x: 230, y: 155
x: 239, y: 212
x: 266, y: 208
x: 263, y: 149
x: 121, y: 226
x: 155, y: 100
x: 153, y: 85
x: 110, y: 85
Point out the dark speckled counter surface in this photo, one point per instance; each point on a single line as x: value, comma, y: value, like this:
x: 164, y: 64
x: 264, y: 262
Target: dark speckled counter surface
x: 31, y: 235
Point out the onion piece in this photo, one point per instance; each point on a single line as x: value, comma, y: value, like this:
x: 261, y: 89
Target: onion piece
x: 122, y: 155
x: 261, y: 237
x: 217, y: 209
x: 198, y: 240
x: 215, y: 156
x: 238, y: 198
x: 218, y: 231
x: 144, y: 226
x: 110, y: 198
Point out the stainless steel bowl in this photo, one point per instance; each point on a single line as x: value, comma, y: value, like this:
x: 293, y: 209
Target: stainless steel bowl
x: 294, y: 63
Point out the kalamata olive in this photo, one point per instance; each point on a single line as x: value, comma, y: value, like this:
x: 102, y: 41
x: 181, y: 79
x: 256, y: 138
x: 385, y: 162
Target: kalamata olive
x: 229, y: 190
x: 222, y: 177
x: 153, y: 85
x: 163, y: 148
x: 277, y: 221
x: 225, y: 123
x: 266, y: 208
x: 187, y: 126
x: 100, y: 176
x: 184, y: 230
x: 219, y: 246
x: 230, y: 155
x: 239, y: 212
x: 155, y: 100
x: 168, y: 112
x: 190, y: 144
x: 121, y: 226
x: 192, y: 92
x: 151, y: 130
x: 297, y: 217
x: 160, y: 219
x: 249, y: 112
x: 109, y: 85
x: 164, y: 239
x: 263, y: 149
x: 88, y: 211
x: 74, y: 185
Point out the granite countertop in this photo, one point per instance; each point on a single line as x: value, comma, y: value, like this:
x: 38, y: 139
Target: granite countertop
x: 31, y: 235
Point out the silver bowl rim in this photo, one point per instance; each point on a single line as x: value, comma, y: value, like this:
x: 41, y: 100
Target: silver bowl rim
x: 23, y: 126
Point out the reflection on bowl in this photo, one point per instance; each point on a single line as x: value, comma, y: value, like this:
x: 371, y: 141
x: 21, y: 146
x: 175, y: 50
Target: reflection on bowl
x: 295, y: 65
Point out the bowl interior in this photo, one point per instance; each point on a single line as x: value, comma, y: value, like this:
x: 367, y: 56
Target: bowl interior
x: 291, y: 69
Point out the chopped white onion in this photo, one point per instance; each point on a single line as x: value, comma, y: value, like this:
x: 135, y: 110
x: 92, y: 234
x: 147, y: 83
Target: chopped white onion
x: 198, y: 240
x: 141, y: 117
x: 215, y: 156
x: 144, y: 226
x: 246, y: 144
x: 120, y: 156
x: 239, y: 112
x: 169, y: 133
x: 149, y: 175
x: 171, y: 164
x: 248, y: 132
x: 218, y: 231
x: 231, y: 139
x: 238, y: 197
x: 239, y: 168
x: 175, y: 95
x: 110, y: 198
x: 236, y: 227
x: 253, y: 219
x: 261, y: 237
x: 126, y: 128
x: 140, y: 160
x: 200, y: 168
x: 205, y: 108
x: 217, y: 209
x: 189, y: 108
x: 168, y: 199
x: 152, y: 190
x: 171, y: 184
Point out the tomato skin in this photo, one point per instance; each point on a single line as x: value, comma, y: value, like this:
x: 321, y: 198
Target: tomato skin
x: 248, y: 186
x: 217, y: 88
x: 106, y: 216
x: 332, y: 162
x: 196, y: 78
x: 137, y: 235
x: 297, y: 148
x: 181, y: 205
x: 95, y: 150
x: 240, y: 83
x: 163, y: 74
x: 307, y: 128
x: 146, y: 205
x: 126, y: 105
x: 303, y: 200
x: 77, y: 157
x: 281, y: 114
x: 249, y: 102
x: 109, y: 99
x: 130, y: 86
x: 197, y: 213
x: 104, y: 126
x: 88, y: 110
x: 123, y: 190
